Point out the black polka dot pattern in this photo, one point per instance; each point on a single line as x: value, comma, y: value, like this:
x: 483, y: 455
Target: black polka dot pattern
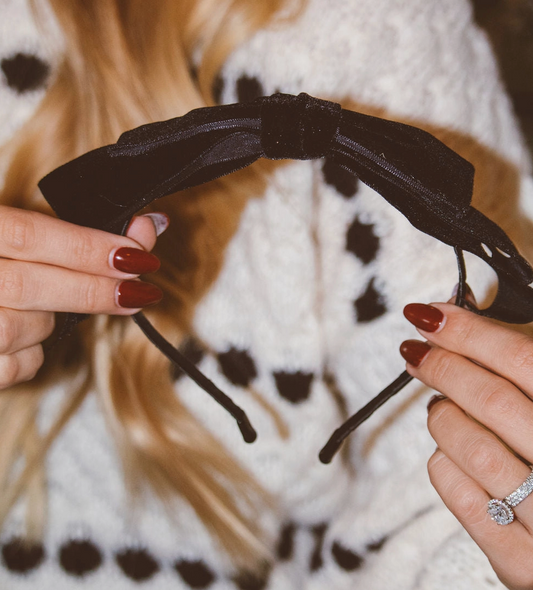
x: 370, y: 305
x: 252, y: 581
x: 249, y: 88
x: 192, y: 350
x: 79, y: 558
x: 137, y: 564
x: 20, y: 557
x: 238, y: 366
x: 195, y: 573
x: 285, y: 547
x: 346, y: 559
x: 24, y: 72
x: 362, y: 241
x: 345, y: 182
x: 316, y: 561
x: 376, y: 546
x: 294, y: 387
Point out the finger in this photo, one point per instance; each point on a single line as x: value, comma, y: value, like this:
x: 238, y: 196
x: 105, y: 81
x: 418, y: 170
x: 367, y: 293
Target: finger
x: 504, y: 351
x: 508, y: 548
x: 35, y: 237
x: 20, y: 366
x: 32, y: 286
x: 145, y: 229
x: 23, y: 329
x: 489, y: 398
x: 479, y: 454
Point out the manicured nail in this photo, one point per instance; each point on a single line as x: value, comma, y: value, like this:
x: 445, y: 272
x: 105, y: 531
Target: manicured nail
x: 138, y: 294
x: 433, y: 400
x: 160, y: 221
x: 135, y: 261
x: 424, y: 317
x: 414, y: 351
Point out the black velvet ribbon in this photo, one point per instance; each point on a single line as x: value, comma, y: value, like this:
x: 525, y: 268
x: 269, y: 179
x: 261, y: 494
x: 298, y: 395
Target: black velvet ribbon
x: 416, y: 173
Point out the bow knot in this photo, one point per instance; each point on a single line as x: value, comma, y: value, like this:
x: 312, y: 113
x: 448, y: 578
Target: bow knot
x: 298, y: 127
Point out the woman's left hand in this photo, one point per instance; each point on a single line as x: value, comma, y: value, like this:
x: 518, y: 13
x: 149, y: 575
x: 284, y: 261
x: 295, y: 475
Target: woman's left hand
x: 483, y: 427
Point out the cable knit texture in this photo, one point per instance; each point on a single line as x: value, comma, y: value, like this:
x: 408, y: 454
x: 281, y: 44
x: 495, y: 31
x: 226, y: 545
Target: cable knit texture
x: 310, y: 294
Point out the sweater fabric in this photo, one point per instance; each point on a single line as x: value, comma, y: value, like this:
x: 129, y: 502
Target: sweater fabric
x: 308, y: 302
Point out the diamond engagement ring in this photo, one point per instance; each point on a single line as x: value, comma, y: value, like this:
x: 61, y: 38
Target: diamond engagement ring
x: 501, y: 511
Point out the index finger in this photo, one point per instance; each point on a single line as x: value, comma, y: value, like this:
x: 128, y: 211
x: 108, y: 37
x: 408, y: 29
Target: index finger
x: 34, y: 237
x: 500, y: 349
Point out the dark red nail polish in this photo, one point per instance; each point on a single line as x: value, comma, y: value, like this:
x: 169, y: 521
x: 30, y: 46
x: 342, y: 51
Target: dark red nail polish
x: 138, y: 294
x: 424, y: 317
x: 414, y: 351
x: 433, y: 400
x: 135, y: 261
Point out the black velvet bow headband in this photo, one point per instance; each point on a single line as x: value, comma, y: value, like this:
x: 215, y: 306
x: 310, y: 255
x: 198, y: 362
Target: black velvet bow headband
x: 425, y: 180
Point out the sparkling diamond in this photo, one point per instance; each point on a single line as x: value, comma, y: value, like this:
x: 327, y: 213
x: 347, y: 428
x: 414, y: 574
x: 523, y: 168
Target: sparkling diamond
x: 500, y: 512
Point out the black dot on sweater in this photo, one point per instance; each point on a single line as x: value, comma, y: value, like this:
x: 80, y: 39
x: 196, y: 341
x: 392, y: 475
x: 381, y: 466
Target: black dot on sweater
x: 24, y: 72
x: 344, y: 181
x: 79, y: 557
x: 238, y: 366
x: 252, y: 581
x: 217, y: 88
x: 285, y: 546
x: 137, y: 564
x: 376, y: 546
x: 361, y: 241
x: 346, y: 559
x: 21, y: 557
x: 318, y: 532
x: 195, y: 573
x: 370, y: 305
x: 249, y: 88
x: 294, y: 387
x: 192, y: 350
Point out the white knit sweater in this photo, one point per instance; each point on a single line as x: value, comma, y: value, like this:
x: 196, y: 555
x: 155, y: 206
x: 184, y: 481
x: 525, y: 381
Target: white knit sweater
x: 311, y: 291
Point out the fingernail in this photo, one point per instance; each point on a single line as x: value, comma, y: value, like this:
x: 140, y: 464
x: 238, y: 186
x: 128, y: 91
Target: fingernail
x: 138, y: 294
x: 424, y: 317
x: 433, y: 400
x: 160, y: 221
x: 135, y: 261
x: 414, y: 351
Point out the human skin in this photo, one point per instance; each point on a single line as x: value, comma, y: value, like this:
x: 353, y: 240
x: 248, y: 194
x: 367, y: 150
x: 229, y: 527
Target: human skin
x: 48, y: 265
x: 483, y: 426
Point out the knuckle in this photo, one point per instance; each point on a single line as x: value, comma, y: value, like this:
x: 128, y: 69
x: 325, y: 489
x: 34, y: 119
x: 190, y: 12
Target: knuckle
x: 89, y: 296
x: 9, y: 370
x: 521, y: 357
x: 18, y: 231
x: 8, y: 331
x: 434, y: 467
x: 438, y: 416
x: 82, y: 247
x: 12, y: 285
x: 499, y: 403
x: 466, y: 506
x: 485, y: 459
x: 440, y: 368
x: 35, y: 364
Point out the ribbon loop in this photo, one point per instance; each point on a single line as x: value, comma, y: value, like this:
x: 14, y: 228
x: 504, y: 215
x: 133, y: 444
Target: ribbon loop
x: 298, y: 128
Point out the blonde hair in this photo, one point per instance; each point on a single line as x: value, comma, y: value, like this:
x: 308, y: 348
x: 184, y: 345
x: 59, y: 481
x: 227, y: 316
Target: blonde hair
x: 128, y: 62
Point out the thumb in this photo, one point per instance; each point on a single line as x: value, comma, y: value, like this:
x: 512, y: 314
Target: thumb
x: 146, y: 228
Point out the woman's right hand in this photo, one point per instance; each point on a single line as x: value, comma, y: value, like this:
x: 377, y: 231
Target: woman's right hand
x: 48, y: 265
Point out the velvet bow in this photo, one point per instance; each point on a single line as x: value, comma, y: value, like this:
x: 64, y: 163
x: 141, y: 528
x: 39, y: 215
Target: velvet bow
x: 416, y: 173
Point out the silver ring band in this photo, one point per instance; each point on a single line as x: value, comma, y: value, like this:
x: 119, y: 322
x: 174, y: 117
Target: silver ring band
x: 501, y: 511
